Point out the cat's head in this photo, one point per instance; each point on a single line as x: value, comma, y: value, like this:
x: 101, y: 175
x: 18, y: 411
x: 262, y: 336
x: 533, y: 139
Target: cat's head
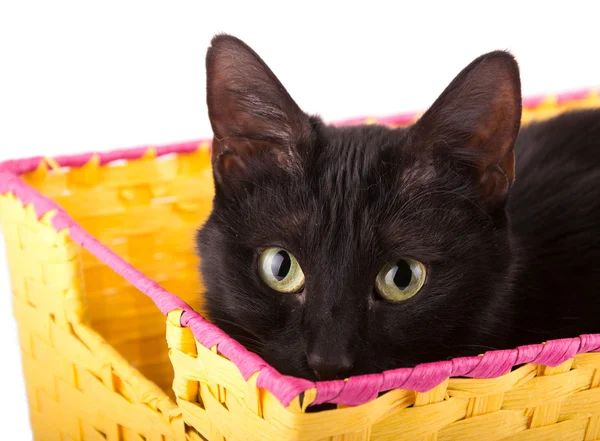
x: 336, y: 251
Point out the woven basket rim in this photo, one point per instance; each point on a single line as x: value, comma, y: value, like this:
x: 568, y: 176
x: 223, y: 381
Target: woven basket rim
x: 353, y: 391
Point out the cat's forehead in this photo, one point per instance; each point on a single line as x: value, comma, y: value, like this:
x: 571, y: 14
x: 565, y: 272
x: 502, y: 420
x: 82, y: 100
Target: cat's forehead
x: 359, y: 169
x: 366, y: 137
x: 356, y: 155
x: 354, y: 152
x: 359, y: 186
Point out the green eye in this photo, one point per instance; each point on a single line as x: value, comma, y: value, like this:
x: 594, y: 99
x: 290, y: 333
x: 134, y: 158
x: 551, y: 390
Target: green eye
x: 280, y: 270
x: 400, y: 281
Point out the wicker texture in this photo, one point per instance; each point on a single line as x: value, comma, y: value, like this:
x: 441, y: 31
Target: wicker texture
x: 532, y: 402
x: 79, y: 387
x: 127, y: 206
x: 105, y: 229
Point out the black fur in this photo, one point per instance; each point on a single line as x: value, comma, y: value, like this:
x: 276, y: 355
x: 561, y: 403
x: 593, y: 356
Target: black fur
x: 554, y: 208
x: 505, y: 267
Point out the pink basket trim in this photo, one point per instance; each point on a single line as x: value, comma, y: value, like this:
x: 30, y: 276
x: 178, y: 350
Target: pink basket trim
x: 529, y: 103
x: 494, y: 363
x: 20, y: 166
x: 426, y: 376
x: 555, y: 352
x: 395, y: 378
x: 535, y: 101
x: 356, y: 390
x: 164, y: 300
x: 329, y: 391
x: 360, y: 388
x: 398, y: 119
x: 589, y: 343
x: 573, y: 96
x: 287, y: 387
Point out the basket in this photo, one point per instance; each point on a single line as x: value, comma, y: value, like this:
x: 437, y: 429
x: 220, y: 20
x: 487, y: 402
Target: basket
x: 99, y: 244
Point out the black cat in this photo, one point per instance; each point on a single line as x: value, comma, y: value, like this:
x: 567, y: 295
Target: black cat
x: 340, y: 251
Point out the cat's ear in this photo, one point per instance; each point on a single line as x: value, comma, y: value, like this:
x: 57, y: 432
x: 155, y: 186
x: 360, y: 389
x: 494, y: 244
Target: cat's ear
x: 474, y: 123
x: 252, y: 115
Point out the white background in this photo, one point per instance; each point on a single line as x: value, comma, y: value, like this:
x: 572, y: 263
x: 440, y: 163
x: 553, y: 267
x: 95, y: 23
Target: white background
x: 80, y: 76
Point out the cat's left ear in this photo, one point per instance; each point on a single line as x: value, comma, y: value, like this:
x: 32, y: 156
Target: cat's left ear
x: 255, y: 121
x: 474, y: 123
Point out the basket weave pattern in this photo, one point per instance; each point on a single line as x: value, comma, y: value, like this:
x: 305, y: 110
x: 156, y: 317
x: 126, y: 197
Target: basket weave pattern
x: 146, y: 212
x: 87, y: 236
x: 79, y: 387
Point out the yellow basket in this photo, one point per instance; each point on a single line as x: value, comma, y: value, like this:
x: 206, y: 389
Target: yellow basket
x: 87, y: 236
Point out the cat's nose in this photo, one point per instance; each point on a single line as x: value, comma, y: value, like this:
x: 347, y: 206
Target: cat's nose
x: 328, y: 367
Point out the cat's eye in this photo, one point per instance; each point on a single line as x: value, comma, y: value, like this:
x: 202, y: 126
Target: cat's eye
x: 400, y: 280
x: 280, y: 270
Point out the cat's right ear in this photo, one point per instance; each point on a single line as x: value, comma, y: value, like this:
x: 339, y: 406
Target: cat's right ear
x: 254, y: 119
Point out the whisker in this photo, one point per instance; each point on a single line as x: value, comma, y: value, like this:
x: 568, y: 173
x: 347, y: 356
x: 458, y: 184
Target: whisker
x: 239, y: 326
